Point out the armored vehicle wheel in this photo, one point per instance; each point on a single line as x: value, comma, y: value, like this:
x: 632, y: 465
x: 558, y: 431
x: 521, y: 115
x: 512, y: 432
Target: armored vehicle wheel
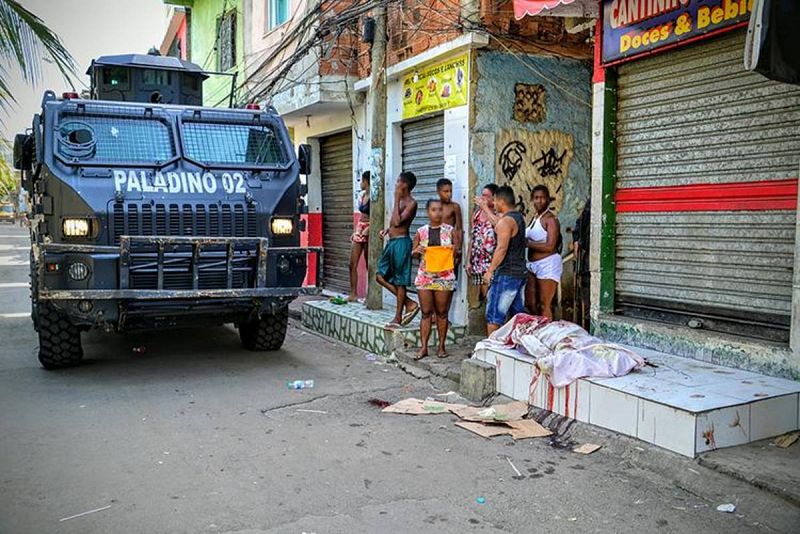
x: 266, y: 331
x: 59, y: 340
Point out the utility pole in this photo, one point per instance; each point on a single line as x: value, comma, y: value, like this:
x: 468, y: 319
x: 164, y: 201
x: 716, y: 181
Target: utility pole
x: 376, y: 109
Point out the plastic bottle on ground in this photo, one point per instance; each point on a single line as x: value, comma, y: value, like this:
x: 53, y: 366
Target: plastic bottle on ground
x: 300, y: 384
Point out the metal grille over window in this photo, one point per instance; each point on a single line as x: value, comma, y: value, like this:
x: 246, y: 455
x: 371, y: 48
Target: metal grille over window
x: 114, y: 139
x: 233, y: 144
x: 226, y: 44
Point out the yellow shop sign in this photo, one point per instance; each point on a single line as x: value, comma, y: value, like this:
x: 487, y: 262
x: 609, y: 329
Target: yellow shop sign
x: 436, y: 87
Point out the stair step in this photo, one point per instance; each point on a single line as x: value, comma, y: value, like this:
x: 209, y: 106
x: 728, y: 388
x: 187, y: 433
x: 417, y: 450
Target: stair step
x: 352, y: 323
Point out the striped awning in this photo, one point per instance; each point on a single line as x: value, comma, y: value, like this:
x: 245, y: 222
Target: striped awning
x: 535, y: 7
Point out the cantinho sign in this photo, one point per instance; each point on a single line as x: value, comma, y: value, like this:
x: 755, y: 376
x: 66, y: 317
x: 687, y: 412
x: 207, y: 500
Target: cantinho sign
x: 634, y: 27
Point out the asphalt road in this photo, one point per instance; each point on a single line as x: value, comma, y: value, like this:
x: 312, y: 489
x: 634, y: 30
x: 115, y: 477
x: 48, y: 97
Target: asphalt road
x: 197, y: 435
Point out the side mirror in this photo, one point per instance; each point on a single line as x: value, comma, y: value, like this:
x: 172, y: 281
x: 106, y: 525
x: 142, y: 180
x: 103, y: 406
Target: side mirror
x: 304, y: 158
x: 23, y: 152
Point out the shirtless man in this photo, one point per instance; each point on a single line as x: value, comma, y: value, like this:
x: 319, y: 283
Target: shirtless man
x: 451, y: 214
x: 394, y: 267
x: 544, y: 261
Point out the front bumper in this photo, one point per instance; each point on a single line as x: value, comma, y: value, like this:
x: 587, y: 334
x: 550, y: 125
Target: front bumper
x: 162, y: 294
x: 163, y: 270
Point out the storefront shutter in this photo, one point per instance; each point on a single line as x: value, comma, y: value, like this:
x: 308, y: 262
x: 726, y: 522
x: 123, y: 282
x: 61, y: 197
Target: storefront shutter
x: 423, y: 154
x: 695, y: 116
x: 336, y: 158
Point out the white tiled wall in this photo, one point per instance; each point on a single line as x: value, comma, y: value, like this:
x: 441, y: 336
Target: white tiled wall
x: 505, y: 375
x: 538, y: 396
x: 614, y: 410
x: 490, y: 357
x: 773, y: 417
x: 666, y: 427
x: 523, y: 375
x: 656, y: 407
x: 581, y: 401
x: 727, y: 426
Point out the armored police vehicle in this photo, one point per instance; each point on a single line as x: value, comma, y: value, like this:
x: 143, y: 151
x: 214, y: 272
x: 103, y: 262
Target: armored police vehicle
x: 150, y: 211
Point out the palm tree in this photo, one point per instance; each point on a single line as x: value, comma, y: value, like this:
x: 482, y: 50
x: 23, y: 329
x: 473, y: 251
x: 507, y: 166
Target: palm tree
x: 24, y: 42
x: 8, y: 179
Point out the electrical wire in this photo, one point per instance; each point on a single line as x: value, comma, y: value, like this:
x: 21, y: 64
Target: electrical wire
x: 324, y: 25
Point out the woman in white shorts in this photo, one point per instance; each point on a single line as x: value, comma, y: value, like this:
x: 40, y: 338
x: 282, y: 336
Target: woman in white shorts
x: 544, y: 261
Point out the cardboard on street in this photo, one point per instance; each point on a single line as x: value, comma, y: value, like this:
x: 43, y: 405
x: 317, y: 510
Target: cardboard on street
x: 485, y: 431
x: 497, y: 420
x: 414, y: 406
x: 513, y: 411
x: 587, y: 448
x: 526, y: 428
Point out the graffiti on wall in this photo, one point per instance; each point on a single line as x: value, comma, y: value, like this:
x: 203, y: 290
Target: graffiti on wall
x: 529, y: 102
x: 526, y: 159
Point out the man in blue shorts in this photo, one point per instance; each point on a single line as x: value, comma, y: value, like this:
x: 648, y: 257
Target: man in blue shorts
x: 394, y: 267
x: 507, y: 272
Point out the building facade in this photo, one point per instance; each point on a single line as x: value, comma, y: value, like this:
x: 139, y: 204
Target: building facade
x: 209, y: 33
x: 695, y: 164
x: 176, y: 42
x: 468, y: 89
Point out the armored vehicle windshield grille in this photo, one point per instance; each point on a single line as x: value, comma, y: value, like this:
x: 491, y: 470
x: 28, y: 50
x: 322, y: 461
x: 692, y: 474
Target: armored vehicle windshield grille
x: 233, y: 144
x: 114, y: 140
x: 239, y: 220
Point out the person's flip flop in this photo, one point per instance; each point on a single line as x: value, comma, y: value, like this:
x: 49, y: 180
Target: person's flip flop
x: 409, y: 316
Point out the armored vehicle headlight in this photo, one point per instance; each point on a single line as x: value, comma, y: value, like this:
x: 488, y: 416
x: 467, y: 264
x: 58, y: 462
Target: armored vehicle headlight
x: 282, y: 226
x: 78, y: 271
x: 74, y: 227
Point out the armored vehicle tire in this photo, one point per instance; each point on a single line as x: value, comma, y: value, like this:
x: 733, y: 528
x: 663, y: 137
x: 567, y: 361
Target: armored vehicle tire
x: 266, y: 331
x: 34, y: 281
x: 59, y: 339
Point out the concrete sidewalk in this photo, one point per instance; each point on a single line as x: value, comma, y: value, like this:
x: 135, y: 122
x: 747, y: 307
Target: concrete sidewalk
x: 762, y: 464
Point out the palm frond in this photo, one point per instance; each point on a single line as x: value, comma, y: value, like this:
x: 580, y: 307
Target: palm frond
x: 7, y: 174
x: 25, y: 40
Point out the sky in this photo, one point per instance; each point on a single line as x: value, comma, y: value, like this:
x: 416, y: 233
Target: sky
x: 88, y: 29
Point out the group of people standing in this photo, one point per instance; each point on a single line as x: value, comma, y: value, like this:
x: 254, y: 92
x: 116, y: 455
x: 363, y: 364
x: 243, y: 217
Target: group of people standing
x: 516, y: 266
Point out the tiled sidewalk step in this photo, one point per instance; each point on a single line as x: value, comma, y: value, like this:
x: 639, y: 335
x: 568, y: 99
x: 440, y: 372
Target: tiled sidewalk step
x: 352, y: 323
x: 684, y: 405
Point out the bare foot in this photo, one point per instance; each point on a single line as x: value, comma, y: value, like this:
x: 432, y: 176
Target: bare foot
x: 422, y: 353
x: 352, y: 298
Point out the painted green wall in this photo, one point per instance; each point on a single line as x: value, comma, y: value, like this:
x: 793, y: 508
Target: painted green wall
x: 203, y: 36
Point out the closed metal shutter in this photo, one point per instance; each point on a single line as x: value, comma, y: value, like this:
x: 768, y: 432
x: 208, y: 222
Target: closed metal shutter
x: 695, y: 116
x: 423, y: 154
x: 336, y: 159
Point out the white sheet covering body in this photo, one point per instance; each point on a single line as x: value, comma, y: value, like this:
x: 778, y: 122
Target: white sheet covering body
x: 564, y: 351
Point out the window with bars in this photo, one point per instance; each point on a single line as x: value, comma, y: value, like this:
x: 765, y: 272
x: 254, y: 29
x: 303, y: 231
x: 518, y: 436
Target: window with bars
x: 114, y: 140
x: 226, y: 41
x: 277, y: 12
x: 233, y: 144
